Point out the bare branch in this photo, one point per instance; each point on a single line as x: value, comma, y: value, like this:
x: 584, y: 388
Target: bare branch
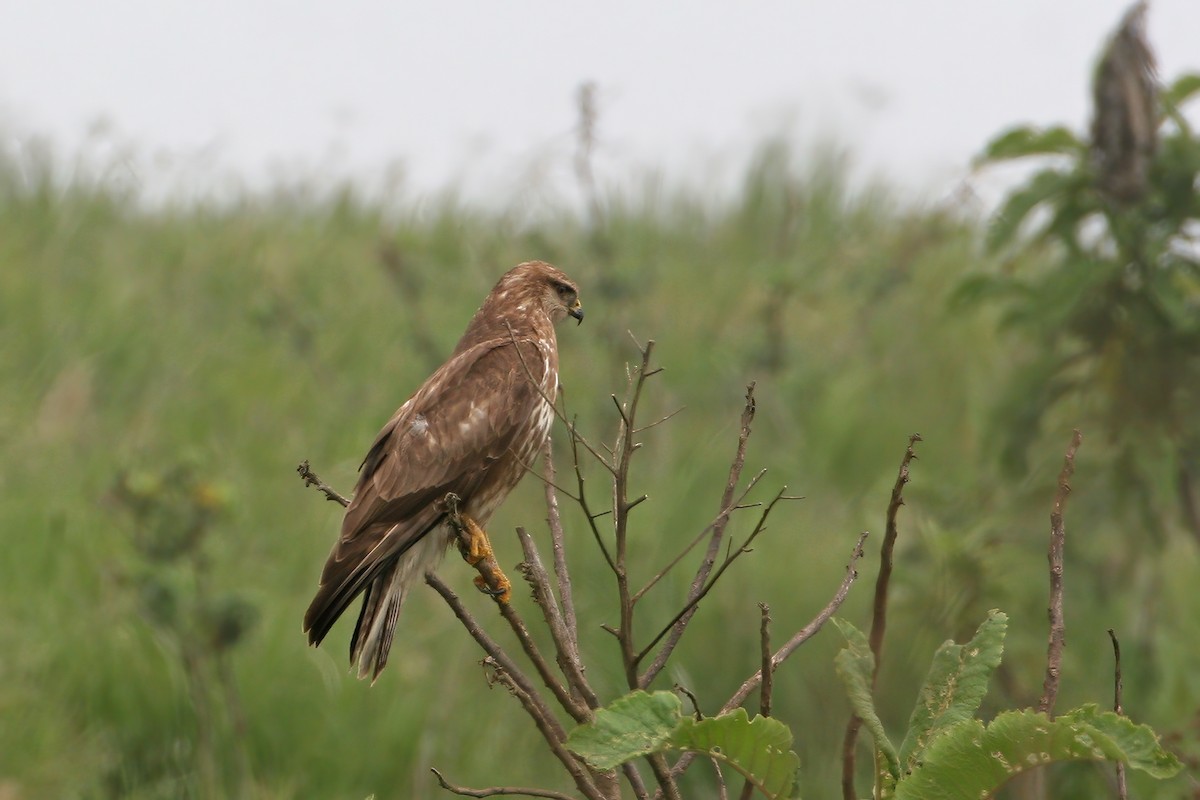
x: 519, y: 685
x: 658, y: 421
x: 879, y: 611
x: 625, y: 447
x: 310, y: 478
x: 695, y: 703
x: 497, y: 791
x: 635, y: 781
x: 1122, y: 785
x: 664, y: 776
x: 700, y: 580
x: 558, y: 539
x: 800, y: 637
x: 581, y: 499
x: 807, y: 632
x: 489, y: 571
x: 567, y: 656
x: 1058, y: 535
x: 674, y: 562
x: 690, y: 606
x: 764, y: 702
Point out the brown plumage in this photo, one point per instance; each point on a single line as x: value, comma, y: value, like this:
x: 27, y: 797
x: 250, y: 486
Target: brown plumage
x: 472, y: 429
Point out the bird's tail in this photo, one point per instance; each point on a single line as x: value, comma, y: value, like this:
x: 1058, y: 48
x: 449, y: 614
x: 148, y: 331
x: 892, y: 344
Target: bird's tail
x: 377, y: 620
x: 382, y: 601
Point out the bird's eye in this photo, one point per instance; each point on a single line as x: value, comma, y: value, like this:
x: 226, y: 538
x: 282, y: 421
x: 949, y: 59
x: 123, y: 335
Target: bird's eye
x: 563, y: 289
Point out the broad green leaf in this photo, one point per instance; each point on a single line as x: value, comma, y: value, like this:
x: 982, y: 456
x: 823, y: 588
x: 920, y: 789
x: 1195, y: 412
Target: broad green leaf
x: 856, y: 666
x: 632, y: 726
x: 1138, y: 743
x: 955, y: 686
x: 1024, y: 141
x: 1181, y: 90
x: 759, y: 749
x: 968, y: 760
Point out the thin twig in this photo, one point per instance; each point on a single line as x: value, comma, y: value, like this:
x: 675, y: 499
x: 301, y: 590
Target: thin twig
x: 764, y: 699
x: 522, y: 688
x: 492, y: 576
x: 690, y: 606
x: 581, y: 499
x: 537, y: 385
x: 1122, y: 785
x: 807, y: 632
x: 1058, y: 536
x: 767, y: 671
x: 559, y: 544
x: 686, y: 692
x: 879, y: 611
x: 700, y: 580
x: 674, y: 562
x: 626, y: 447
x: 496, y: 791
x: 568, y: 660
x: 310, y: 478
x: 800, y: 637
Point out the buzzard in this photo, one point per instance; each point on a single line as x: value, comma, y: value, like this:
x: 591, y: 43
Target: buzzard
x: 470, y: 430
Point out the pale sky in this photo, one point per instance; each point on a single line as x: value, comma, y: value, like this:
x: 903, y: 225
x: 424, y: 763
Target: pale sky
x: 480, y: 94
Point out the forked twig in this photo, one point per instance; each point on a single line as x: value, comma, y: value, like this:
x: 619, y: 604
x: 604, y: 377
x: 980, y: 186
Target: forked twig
x: 700, y: 583
x: 800, y: 637
x: 689, y: 607
x: 520, y: 687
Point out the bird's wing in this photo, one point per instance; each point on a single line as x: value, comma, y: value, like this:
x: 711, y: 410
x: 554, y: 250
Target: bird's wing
x: 463, y: 419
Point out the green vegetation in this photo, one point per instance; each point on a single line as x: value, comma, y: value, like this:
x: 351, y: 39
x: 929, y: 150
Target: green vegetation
x: 171, y: 366
x: 947, y: 754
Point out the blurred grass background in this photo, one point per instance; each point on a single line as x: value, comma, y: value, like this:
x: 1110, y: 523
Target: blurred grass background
x: 228, y: 341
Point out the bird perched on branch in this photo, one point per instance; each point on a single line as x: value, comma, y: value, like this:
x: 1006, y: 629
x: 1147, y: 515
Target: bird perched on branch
x: 448, y: 457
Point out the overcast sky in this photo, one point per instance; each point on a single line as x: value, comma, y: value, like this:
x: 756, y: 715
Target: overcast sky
x: 481, y: 93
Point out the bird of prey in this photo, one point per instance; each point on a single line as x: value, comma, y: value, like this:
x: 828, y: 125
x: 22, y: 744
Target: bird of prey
x: 471, y: 430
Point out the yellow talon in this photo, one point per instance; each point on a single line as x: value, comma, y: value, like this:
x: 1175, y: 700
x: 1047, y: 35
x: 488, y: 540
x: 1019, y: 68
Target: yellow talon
x: 475, y: 548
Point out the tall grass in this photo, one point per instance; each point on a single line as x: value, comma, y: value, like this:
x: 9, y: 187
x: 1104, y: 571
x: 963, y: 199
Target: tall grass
x: 242, y: 338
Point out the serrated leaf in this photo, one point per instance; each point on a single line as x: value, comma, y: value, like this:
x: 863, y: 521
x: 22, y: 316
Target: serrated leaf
x: 1027, y: 140
x: 759, y: 749
x: 856, y: 666
x: 968, y: 760
x: 634, y: 725
x: 955, y: 686
x: 1181, y: 90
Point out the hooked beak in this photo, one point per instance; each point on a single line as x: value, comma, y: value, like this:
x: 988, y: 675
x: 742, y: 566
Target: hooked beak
x: 576, y: 311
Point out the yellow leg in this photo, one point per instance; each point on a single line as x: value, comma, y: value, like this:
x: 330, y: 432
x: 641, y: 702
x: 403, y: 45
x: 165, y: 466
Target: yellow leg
x: 477, y: 551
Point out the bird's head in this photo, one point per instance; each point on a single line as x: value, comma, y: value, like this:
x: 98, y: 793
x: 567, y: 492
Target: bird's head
x: 550, y: 288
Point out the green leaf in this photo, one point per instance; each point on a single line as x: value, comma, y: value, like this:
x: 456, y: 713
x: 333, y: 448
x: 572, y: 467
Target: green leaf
x: 1025, y: 140
x: 759, y: 749
x: 1181, y: 90
x: 632, y: 726
x: 1049, y: 185
x: 856, y: 667
x: 968, y: 760
x: 1138, y: 743
x: 955, y: 686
